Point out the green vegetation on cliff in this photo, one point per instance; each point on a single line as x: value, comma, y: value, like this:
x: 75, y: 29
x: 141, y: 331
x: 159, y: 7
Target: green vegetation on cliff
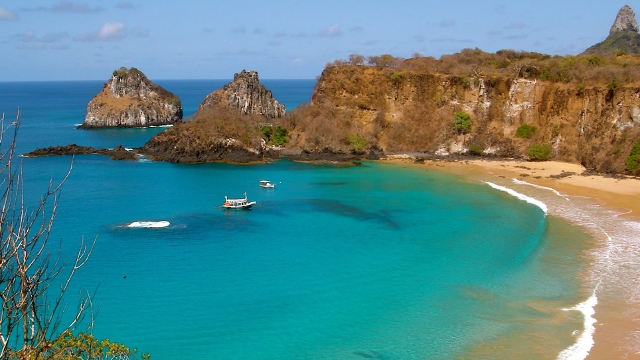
x: 633, y: 161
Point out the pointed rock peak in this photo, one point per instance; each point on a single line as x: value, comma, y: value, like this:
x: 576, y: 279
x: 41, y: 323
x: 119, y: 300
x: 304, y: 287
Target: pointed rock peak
x: 625, y: 21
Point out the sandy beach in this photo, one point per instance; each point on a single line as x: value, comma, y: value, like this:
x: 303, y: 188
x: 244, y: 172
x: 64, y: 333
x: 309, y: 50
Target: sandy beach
x: 618, y: 310
x: 618, y: 193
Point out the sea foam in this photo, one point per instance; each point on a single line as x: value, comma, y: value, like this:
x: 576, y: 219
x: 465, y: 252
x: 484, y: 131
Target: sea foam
x: 526, y: 198
x: 520, y: 182
x: 580, y: 350
x: 148, y: 224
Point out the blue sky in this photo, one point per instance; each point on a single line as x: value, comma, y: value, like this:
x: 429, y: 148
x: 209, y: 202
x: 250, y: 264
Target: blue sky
x: 87, y: 40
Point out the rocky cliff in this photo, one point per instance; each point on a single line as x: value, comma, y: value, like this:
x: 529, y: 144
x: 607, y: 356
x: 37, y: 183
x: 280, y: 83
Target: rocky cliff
x: 244, y: 95
x: 623, y: 35
x: 362, y: 108
x: 129, y: 99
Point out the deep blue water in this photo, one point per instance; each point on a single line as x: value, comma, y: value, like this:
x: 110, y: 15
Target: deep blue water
x: 337, y: 262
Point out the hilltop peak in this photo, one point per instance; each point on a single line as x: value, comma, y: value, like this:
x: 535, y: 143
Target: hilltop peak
x: 625, y: 21
x: 623, y: 37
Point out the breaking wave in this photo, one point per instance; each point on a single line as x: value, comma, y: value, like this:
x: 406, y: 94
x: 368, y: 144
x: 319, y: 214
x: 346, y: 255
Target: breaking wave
x: 580, y: 349
x: 520, y: 196
x: 520, y: 182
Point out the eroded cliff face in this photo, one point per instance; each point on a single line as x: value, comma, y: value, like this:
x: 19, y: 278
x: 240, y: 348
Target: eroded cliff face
x: 129, y: 99
x: 592, y: 125
x: 244, y: 95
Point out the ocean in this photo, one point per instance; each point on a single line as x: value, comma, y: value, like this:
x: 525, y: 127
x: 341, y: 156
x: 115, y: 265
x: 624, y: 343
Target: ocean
x: 376, y: 261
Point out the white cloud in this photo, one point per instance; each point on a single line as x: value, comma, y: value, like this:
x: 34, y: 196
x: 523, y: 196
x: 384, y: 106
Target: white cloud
x: 67, y: 6
x: 126, y: 5
x: 239, y: 29
x: 112, y: 32
x: 30, y: 41
x: 448, y: 23
x: 7, y: 15
x: 332, y: 31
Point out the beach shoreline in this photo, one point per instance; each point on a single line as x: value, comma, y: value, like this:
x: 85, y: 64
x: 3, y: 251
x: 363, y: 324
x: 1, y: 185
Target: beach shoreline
x: 619, y: 193
x: 616, y: 313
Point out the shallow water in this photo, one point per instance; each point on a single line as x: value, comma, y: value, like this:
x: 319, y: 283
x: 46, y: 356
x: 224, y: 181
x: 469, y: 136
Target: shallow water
x: 372, y: 261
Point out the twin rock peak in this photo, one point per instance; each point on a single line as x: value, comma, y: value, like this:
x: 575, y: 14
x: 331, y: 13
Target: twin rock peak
x: 129, y: 99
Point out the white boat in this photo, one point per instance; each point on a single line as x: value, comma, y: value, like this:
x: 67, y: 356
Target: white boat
x: 266, y: 184
x: 238, y: 203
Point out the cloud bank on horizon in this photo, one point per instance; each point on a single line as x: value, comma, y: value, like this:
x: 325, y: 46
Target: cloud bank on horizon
x: 81, y: 40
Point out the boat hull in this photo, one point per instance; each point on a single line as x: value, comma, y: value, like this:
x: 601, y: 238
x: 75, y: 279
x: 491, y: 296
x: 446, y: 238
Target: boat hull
x: 239, y: 207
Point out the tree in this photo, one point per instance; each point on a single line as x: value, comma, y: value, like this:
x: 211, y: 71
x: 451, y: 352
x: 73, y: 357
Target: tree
x: 355, y: 59
x: 462, y: 122
x: 31, y: 313
x: 633, y: 160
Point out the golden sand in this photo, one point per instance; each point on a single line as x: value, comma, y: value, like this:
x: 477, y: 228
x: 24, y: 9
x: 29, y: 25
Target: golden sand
x: 621, y: 194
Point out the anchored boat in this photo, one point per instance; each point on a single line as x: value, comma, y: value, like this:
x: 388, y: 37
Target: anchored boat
x: 266, y: 184
x: 238, y: 203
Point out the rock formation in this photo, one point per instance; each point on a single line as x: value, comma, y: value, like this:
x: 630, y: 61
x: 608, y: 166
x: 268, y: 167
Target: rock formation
x: 623, y: 35
x: 625, y: 21
x: 595, y: 126
x: 119, y: 153
x: 129, y: 99
x: 245, y: 95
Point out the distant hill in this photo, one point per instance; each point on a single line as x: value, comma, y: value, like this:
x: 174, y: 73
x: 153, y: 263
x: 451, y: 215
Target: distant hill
x: 623, y: 36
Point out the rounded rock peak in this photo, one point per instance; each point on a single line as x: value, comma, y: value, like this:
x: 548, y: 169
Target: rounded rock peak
x: 253, y: 75
x: 625, y: 21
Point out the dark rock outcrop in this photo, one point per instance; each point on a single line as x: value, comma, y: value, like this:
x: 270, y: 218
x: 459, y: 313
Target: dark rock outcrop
x: 129, y: 99
x: 245, y: 95
x: 119, y: 153
x: 623, y: 35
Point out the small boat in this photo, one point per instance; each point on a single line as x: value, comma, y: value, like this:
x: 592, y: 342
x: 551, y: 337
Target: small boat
x: 238, y: 203
x: 266, y: 184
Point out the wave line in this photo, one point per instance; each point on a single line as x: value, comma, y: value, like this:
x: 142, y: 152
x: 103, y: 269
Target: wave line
x: 526, y: 198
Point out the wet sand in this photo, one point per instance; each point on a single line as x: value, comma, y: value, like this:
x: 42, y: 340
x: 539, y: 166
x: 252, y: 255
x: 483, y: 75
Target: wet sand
x: 616, y: 316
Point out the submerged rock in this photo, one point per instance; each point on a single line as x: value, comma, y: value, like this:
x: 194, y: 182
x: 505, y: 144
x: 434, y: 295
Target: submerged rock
x: 244, y: 95
x: 129, y: 99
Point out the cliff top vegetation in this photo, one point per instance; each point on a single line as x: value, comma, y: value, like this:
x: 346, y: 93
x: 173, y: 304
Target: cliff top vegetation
x: 591, y: 69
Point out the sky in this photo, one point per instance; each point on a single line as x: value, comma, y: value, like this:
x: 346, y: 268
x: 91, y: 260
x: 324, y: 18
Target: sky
x: 43, y: 40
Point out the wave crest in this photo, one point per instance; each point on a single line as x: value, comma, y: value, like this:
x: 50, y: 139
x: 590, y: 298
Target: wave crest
x: 148, y: 224
x: 526, y: 198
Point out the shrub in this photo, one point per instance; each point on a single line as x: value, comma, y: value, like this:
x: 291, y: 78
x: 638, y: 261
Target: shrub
x: 525, y: 131
x: 537, y: 152
x: 633, y: 161
x: 613, y: 84
x: 280, y: 137
x: 462, y: 122
x: 277, y: 136
x: 357, y: 143
x: 475, y: 149
x: 397, y: 77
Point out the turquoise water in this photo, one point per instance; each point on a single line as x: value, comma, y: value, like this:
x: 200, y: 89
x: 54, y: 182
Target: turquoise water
x: 337, y: 262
